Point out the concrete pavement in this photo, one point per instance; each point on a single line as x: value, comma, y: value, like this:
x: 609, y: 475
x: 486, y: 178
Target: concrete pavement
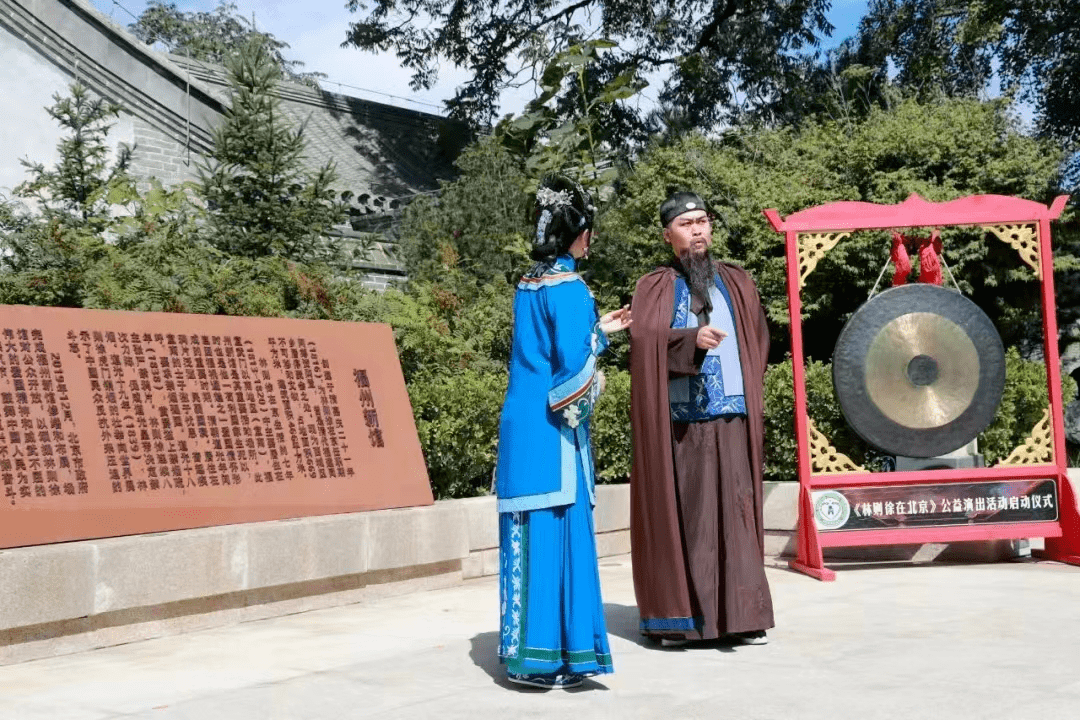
x: 986, y: 641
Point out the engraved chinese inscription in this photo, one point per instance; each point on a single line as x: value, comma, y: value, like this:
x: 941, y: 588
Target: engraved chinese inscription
x: 40, y: 455
x: 182, y: 411
x: 118, y: 423
x: 371, y: 413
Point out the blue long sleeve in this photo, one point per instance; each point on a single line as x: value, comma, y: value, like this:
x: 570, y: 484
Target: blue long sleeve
x: 578, y: 342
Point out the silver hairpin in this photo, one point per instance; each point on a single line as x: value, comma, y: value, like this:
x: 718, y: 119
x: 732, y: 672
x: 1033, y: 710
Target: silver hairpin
x: 541, y: 226
x: 547, y: 197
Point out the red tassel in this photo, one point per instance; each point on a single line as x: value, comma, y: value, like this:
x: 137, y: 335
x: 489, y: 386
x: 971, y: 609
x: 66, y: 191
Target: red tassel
x: 900, y: 260
x: 929, y: 265
x: 928, y: 249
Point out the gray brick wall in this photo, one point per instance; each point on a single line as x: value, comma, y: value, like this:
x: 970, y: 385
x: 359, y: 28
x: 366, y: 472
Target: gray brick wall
x: 159, y: 156
x: 380, y: 282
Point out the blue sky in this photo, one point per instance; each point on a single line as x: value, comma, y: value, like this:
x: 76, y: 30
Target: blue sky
x: 314, y: 30
x: 845, y: 16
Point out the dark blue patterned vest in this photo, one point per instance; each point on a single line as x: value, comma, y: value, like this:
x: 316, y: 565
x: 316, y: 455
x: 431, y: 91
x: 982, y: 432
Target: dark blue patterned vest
x: 706, y: 396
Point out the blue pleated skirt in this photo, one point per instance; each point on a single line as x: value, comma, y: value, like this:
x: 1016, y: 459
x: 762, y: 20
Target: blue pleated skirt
x: 552, y: 613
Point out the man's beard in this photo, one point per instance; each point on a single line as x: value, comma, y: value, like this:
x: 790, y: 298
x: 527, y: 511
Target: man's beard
x: 699, y: 269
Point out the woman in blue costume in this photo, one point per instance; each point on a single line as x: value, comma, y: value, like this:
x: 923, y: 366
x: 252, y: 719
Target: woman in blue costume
x: 553, y: 629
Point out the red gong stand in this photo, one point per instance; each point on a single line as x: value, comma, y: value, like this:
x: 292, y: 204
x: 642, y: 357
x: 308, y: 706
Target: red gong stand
x: 1024, y: 225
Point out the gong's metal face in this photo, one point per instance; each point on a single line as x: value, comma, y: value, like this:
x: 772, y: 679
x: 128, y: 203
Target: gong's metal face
x: 919, y: 371
x: 922, y: 370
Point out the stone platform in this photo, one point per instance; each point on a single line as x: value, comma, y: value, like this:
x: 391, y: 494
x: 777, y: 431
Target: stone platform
x: 70, y: 597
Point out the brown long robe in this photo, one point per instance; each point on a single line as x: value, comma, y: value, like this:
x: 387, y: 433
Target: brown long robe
x: 662, y: 580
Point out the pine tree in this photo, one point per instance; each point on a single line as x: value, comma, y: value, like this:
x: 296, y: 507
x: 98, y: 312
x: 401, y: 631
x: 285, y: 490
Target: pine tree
x: 83, y: 187
x: 262, y: 199
x: 48, y: 243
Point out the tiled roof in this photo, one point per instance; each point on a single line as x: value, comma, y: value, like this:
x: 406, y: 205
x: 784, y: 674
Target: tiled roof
x: 384, y: 154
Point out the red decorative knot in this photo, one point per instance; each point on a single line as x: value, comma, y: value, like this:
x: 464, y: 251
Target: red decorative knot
x: 928, y: 249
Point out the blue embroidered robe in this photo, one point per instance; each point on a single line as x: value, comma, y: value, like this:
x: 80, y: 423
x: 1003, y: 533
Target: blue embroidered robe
x: 544, y: 428
x: 552, y: 616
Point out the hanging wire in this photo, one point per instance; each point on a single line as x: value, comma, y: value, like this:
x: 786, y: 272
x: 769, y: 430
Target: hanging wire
x: 329, y: 81
x: 949, y: 272
x: 941, y: 257
x: 187, y: 94
x: 873, y: 290
x: 116, y: 4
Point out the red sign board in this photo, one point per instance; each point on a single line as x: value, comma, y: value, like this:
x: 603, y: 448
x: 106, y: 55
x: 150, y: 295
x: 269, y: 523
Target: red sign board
x: 935, y: 505
x: 116, y: 423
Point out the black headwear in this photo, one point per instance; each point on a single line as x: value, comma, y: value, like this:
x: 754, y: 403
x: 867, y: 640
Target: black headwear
x: 678, y: 203
x: 563, y: 210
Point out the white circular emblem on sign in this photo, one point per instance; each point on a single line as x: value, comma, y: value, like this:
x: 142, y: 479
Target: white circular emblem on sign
x: 831, y: 509
x: 691, y: 206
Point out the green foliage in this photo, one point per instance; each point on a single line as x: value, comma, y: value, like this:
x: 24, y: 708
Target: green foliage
x: 89, y: 238
x: 941, y: 150
x: 1022, y: 404
x: 436, y: 330
x: 44, y: 263
x: 211, y: 36
x: 191, y: 277
x: 262, y: 199
x: 479, y: 225
x: 82, y: 189
x: 781, y: 461
x: 836, y: 84
x: 453, y: 350
x: 48, y: 243
x: 457, y: 418
x: 612, y: 447
x: 953, y: 47
x: 711, y: 57
x: 936, y: 46
x: 569, y: 135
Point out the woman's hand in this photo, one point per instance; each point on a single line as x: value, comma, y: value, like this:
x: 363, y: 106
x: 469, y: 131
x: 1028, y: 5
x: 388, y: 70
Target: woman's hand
x: 616, y: 320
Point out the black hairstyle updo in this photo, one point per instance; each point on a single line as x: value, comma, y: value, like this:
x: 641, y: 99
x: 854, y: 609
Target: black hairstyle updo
x: 564, y: 209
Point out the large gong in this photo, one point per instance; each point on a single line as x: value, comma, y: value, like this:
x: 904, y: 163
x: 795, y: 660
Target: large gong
x: 919, y: 370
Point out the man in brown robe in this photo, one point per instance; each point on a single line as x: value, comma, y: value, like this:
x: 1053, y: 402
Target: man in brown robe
x: 696, y: 528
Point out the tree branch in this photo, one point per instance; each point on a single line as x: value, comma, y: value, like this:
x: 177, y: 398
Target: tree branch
x: 565, y: 12
x: 719, y: 16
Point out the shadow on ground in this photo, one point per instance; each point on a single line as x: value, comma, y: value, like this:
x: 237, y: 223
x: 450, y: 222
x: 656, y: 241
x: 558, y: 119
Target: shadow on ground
x: 623, y: 621
x: 484, y: 652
